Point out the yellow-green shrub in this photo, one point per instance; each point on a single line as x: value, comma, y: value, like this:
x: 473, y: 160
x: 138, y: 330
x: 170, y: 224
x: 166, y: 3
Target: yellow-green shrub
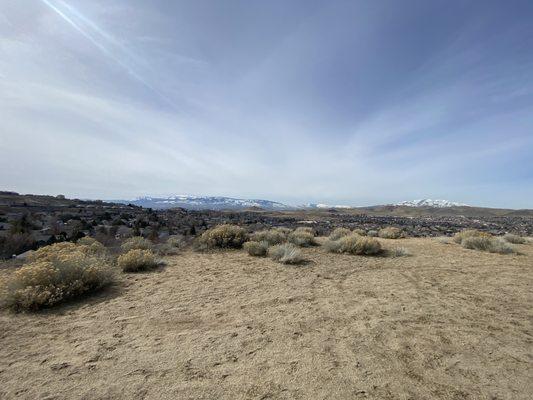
x: 272, y: 236
x: 354, y: 244
x: 223, y: 236
x: 390, y: 232
x: 338, y: 233
x: 467, y: 233
x: 256, y: 249
x: 302, y: 237
x: 137, y: 260
x: 137, y: 242
x: 490, y: 244
x: 54, y: 274
x: 515, y: 239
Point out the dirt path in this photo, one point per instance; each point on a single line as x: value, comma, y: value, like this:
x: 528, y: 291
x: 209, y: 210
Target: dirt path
x: 447, y: 323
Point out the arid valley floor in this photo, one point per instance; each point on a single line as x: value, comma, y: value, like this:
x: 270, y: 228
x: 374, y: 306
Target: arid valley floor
x: 444, y: 323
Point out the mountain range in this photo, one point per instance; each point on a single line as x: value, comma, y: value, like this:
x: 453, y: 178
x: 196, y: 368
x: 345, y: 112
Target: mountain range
x: 230, y: 203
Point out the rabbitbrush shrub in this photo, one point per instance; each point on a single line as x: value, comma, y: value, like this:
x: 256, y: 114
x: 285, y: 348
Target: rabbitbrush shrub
x: 137, y: 242
x: 137, y: 260
x: 390, y: 232
x: 223, y: 236
x: 467, y: 233
x: 54, y: 274
x: 490, y: 244
x: 285, y: 253
x: 271, y: 236
x: 338, y: 233
x: 515, y: 239
x: 354, y: 244
x: 302, y: 237
x: 256, y: 249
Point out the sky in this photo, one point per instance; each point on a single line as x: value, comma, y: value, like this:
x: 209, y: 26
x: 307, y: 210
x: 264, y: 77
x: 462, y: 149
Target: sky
x: 337, y: 102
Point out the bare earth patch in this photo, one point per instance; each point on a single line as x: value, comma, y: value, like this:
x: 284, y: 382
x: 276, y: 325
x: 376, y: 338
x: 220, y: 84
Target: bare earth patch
x: 445, y: 323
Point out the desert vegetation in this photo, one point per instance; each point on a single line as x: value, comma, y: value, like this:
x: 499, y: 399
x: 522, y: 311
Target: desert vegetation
x: 223, y: 236
x: 514, y: 239
x: 286, y: 253
x: 256, y: 249
x: 137, y: 243
x: 302, y: 237
x: 56, y: 273
x: 136, y: 260
x: 337, y: 233
x: 390, y: 232
x: 354, y: 244
x: 271, y: 236
x: 476, y: 240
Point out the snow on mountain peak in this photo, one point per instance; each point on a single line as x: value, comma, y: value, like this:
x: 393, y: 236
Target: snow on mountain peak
x: 430, y: 203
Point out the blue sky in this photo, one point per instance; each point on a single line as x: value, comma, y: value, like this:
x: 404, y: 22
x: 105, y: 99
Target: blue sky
x: 340, y: 102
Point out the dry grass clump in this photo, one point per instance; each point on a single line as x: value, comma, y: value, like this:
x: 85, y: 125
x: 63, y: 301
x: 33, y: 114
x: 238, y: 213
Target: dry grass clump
x: 490, y: 244
x: 54, y: 274
x: 399, y: 252
x: 137, y: 242
x: 390, y: 232
x: 338, y: 233
x: 271, y: 236
x: 514, y: 239
x: 256, y: 249
x: 286, y: 253
x: 137, y: 260
x: 302, y: 237
x: 223, y: 236
x: 467, y: 233
x: 354, y: 244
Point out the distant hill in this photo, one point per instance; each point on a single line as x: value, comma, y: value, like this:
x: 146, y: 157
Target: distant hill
x: 204, y: 203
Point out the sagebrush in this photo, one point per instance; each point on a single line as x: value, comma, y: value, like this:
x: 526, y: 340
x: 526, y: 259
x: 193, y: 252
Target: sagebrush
x: 286, y: 253
x: 137, y: 260
x: 390, y: 232
x: 490, y: 244
x: 354, y: 244
x: 271, y: 236
x: 54, y: 274
x: 223, y: 236
x: 137, y: 242
x: 256, y: 249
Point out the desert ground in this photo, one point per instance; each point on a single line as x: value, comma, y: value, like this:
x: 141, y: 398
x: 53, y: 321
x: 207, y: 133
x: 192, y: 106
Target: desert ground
x: 444, y: 323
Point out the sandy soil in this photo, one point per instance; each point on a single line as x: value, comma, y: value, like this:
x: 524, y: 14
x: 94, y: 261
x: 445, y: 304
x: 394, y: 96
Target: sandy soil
x: 446, y: 323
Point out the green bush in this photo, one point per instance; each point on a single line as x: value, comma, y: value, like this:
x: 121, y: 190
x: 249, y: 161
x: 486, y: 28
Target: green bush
x: 256, y: 249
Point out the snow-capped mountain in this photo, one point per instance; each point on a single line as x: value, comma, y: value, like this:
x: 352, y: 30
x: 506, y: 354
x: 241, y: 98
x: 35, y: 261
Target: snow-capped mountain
x: 203, y: 203
x: 321, y: 205
x: 430, y: 203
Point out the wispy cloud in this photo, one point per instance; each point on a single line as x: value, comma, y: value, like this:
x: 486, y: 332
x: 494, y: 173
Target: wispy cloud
x: 294, y: 102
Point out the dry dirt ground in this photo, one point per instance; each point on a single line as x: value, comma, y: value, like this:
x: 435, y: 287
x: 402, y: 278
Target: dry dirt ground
x: 446, y: 323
